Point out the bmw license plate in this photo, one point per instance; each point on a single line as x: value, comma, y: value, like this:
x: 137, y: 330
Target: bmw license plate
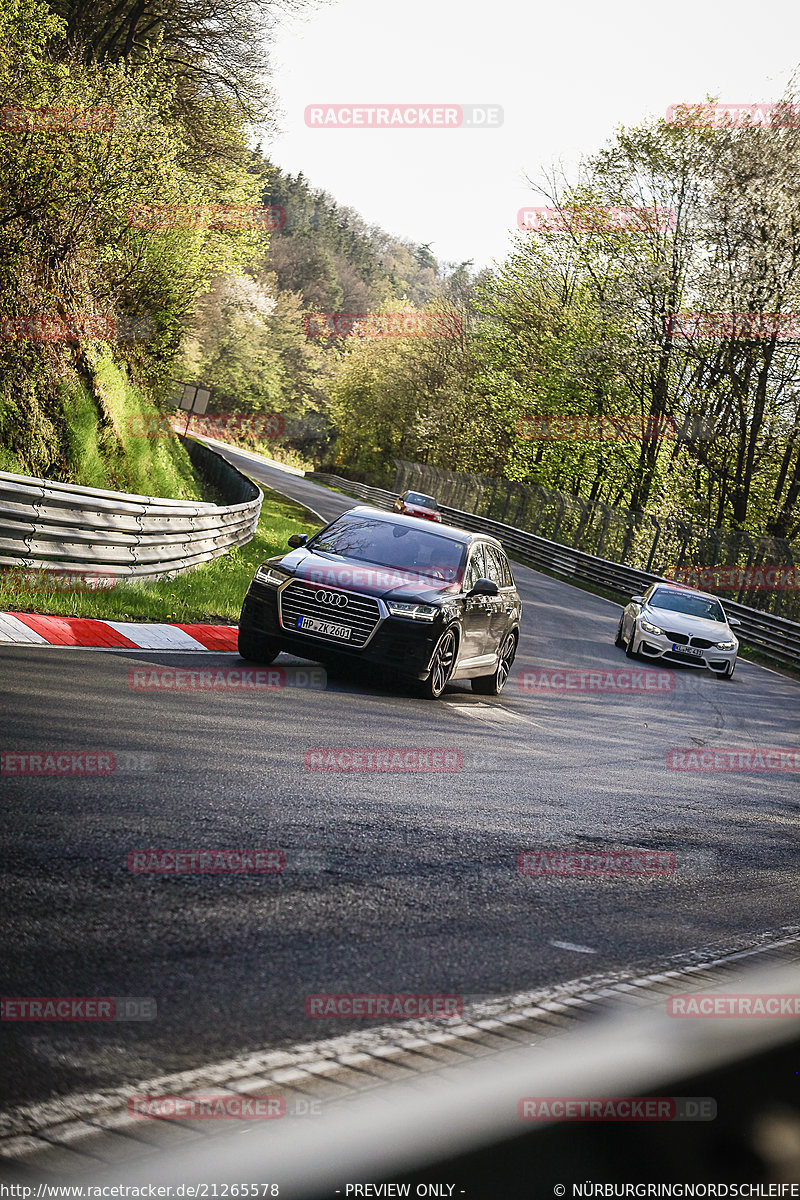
x: 324, y: 627
x: 689, y: 651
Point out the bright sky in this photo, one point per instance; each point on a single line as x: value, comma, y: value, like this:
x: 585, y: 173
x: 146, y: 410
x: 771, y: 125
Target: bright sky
x: 565, y: 76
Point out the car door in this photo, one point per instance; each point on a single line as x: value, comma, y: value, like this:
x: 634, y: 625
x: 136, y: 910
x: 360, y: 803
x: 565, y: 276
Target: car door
x: 497, y: 570
x: 508, y: 607
x: 478, y: 610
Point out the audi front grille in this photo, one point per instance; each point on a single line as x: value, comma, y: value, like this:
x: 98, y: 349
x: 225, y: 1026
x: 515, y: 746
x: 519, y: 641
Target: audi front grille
x: 360, y: 613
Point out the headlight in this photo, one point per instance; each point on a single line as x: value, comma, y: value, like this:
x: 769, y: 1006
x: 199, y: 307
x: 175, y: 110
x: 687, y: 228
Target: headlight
x: 417, y: 612
x: 268, y: 575
x: 650, y: 628
x: 725, y: 645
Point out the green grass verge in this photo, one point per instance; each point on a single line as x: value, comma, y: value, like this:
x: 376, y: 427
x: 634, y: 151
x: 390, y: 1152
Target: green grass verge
x: 210, y: 593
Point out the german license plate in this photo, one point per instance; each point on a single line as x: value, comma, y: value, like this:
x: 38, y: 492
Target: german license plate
x: 689, y: 651
x: 342, y: 632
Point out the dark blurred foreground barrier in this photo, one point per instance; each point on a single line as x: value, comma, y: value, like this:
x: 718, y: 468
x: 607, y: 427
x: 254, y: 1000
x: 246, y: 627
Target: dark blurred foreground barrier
x: 775, y: 635
x: 460, y: 1128
x: 60, y: 527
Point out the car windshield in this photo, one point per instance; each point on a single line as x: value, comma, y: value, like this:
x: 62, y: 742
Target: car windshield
x: 391, y: 544
x: 418, y: 498
x: 688, y: 605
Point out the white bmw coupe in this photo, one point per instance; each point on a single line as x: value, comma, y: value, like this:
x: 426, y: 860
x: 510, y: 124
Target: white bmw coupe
x: 681, y: 625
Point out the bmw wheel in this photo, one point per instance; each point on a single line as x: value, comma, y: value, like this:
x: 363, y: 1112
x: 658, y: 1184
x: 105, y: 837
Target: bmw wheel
x: 492, y: 685
x: 618, y: 638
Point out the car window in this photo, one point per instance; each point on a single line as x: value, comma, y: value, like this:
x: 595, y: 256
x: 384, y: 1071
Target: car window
x: 688, y: 605
x: 389, y: 544
x: 507, y: 579
x: 475, y: 567
x: 494, y: 567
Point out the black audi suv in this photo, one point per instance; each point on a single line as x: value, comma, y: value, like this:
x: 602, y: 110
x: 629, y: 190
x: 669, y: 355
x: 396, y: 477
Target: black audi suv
x: 426, y: 604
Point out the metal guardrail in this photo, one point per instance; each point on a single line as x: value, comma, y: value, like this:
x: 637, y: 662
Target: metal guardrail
x: 62, y: 527
x: 773, y: 635
x: 643, y: 540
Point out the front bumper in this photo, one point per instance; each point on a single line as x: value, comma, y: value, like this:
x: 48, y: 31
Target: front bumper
x: 660, y: 646
x: 399, y: 645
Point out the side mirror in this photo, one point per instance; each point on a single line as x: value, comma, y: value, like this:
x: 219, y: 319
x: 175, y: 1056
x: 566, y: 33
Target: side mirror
x: 484, y: 587
x: 297, y: 540
x: 734, y: 622
x: 637, y: 600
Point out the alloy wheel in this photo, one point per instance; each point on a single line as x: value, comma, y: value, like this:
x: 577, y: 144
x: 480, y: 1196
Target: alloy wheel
x: 443, y: 663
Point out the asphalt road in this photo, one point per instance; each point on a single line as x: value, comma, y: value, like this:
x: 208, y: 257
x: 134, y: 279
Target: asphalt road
x: 394, y: 883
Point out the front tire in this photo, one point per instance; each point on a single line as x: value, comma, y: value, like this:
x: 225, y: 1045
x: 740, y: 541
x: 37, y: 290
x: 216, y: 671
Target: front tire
x: 629, y: 650
x: 619, y: 640
x: 442, y: 666
x: 727, y: 673
x: 255, y: 647
x: 492, y: 685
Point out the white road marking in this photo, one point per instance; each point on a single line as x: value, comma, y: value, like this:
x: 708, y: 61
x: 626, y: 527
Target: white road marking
x: 156, y: 637
x: 493, y: 713
x: 572, y: 946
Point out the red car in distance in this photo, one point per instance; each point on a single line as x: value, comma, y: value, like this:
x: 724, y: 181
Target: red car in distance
x: 415, y: 504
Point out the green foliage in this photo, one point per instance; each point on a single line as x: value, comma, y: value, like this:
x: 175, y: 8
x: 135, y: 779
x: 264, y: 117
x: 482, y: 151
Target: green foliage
x: 577, y: 323
x: 86, y: 237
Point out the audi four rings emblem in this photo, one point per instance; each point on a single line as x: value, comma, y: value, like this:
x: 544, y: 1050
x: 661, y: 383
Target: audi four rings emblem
x: 337, y: 598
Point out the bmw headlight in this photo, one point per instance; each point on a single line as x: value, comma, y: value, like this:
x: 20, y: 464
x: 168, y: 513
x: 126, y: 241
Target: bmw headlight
x: 725, y: 645
x: 268, y: 575
x: 417, y: 612
x: 650, y: 628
